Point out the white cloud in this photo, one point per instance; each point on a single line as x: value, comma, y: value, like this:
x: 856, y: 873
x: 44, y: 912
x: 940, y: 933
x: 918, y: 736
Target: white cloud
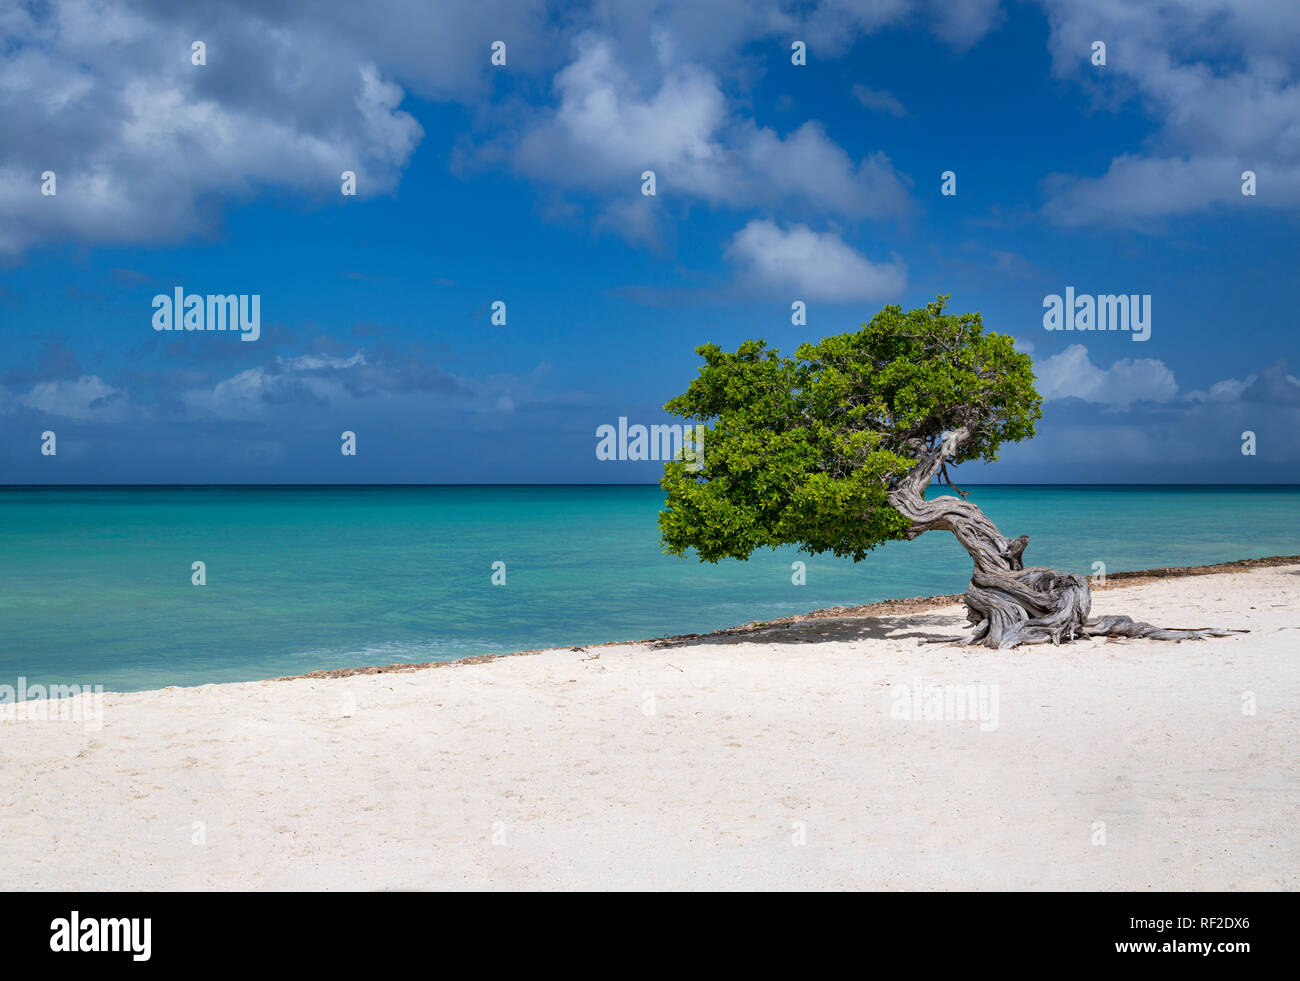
x: 713, y: 31
x: 962, y: 24
x: 607, y: 130
x: 1271, y: 386
x: 1219, y: 80
x: 106, y: 97
x: 1165, y: 439
x: 402, y: 382
x: 148, y: 148
x: 1071, y: 374
x: 811, y: 265
x: 1136, y: 187
x: 1228, y: 390
x: 85, y: 398
x: 879, y: 100
x: 308, y: 378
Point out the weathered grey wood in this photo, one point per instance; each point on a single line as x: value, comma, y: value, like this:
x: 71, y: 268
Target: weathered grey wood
x: 1009, y: 604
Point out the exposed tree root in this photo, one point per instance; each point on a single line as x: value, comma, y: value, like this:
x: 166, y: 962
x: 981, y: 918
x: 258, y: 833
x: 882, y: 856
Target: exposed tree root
x: 1042, y: 606
x: 1009, y: 604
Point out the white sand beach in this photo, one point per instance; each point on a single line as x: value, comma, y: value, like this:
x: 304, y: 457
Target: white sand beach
x: 767, y: 760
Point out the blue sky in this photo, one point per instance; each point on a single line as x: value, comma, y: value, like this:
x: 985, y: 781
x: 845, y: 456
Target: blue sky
x: 522, y: 183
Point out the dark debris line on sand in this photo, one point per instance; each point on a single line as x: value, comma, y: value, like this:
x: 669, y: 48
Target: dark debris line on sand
x: 889, y: 607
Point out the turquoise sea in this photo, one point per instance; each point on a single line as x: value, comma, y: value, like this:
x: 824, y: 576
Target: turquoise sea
x: 95, y: 583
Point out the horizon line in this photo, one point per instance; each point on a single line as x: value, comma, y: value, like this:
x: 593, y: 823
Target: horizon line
x: 290, y: 485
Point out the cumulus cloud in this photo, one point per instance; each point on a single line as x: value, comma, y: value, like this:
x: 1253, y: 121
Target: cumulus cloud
x: 313, y: 379
x: 1228, y: 390
x: 1197, y: 436
x: 1220, y: 81
x: 1272, y: 385
x: 320, y: 379
x: 810, y: 265
x: 138, y: 138
x: 145, y: 145
x: 86, y: 398
x: 1071, y: 374
x: 148, y: 148
x: 607, y: 130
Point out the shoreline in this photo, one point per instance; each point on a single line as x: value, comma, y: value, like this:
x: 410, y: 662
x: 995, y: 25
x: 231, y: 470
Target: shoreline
x: 880, y: 608
x: 849, y: 753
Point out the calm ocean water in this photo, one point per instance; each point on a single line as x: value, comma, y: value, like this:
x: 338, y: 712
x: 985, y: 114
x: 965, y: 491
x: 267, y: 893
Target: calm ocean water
x: 95, y: 582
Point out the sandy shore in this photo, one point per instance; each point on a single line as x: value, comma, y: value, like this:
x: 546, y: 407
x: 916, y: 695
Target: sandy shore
x: 777, y: 758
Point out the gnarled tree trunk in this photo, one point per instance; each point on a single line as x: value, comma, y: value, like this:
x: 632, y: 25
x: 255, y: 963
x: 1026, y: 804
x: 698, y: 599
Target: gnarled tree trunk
x: 1007, y: 603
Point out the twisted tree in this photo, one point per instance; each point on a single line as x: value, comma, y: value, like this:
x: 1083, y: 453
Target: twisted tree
x: 834, y: 449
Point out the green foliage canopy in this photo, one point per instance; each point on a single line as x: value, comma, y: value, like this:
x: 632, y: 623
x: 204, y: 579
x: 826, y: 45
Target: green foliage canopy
x: 805, y: 450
